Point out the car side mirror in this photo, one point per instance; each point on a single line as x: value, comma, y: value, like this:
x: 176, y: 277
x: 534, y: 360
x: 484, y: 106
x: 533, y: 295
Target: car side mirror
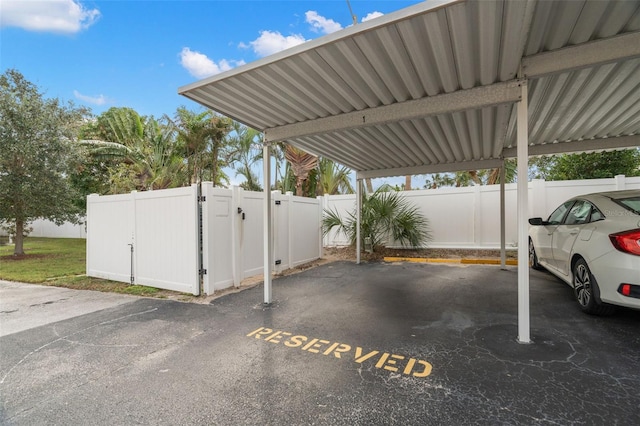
x: 536, y: 221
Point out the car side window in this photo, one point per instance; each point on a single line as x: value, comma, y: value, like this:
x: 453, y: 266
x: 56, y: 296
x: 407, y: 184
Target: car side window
x: 559, y: 213
x: 578, y: 214
x: 596, y: 214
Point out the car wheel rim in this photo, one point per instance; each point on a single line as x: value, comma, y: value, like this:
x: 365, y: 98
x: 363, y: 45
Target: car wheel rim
x: 582, y: 285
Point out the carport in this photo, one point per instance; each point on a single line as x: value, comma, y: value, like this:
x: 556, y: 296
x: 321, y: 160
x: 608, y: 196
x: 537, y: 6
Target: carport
x: 447, y: 86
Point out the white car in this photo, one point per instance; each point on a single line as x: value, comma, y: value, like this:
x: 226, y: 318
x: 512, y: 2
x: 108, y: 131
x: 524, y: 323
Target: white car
x: 592, y: 242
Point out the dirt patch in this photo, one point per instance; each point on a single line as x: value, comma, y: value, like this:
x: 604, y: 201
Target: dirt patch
x: 348, y: 253
x: 13, y: 257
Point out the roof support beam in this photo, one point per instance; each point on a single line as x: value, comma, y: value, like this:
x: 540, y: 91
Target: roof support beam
x: 590, y: 145
x: 433, y: 168
x: 599, y: 52
x: 480, y: 97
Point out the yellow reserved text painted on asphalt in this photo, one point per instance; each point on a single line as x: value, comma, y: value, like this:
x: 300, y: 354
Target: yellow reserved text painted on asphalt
x: 383, y: 360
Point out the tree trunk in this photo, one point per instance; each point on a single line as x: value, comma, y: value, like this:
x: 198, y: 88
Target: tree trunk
x: 407, y: 183
x: 369, y: 185
x: 494, y: 177
x: 299, y: 192
x: 19, y: 247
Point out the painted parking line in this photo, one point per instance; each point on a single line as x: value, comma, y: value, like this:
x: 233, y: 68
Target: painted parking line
x: 512, y: 262
x: 383, y: 360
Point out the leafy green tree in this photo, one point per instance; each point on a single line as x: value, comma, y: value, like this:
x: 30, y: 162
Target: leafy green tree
x: 89, y: 175
x: 36, y: 136
x: 595, y: 165
x: 385, y: 214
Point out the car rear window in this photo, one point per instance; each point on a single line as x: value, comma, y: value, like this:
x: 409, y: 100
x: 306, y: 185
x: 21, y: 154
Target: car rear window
x: 631, y: 204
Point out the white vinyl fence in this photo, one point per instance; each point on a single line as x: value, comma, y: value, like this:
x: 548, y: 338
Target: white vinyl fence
x: 469, y: 217
x: 48, y: 229
x: 151, y: 238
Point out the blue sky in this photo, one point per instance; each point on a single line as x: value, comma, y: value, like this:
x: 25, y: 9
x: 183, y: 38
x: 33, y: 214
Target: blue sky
x: 137, y: 53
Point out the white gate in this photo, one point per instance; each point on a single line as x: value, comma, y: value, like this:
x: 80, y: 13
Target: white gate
x: 162, y: 228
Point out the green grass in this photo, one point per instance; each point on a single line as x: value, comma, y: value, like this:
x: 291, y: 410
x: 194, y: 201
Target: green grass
x: 61, y: 262
x: 44, y: 258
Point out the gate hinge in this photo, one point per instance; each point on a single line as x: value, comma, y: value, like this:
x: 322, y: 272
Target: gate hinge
x: 278, y: 262
x: 277, y: 202
x: 203, y: 272
x: 202, y: 198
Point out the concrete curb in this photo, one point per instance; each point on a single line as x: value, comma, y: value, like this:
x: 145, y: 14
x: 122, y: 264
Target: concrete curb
x: 469, y: 261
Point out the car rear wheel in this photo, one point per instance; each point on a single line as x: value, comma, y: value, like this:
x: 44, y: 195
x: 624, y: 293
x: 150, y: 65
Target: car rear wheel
x: 533, y: 258
x: 585, y: 288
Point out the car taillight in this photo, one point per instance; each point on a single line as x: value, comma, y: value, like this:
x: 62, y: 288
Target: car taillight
x: 627, y: 241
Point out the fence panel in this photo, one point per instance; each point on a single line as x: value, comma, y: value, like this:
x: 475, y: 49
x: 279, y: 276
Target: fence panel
x: 110, y: 230
x: 251, y: 233
x: 218, y: 233
x: 450, y: 212
x: 342, y: 205
x: 166, y: 246
x: 469, y: 217
x: 48, y: 229
x: 304, y: 228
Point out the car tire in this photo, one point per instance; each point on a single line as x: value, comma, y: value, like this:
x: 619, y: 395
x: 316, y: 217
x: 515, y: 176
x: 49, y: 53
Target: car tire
x: 585, y: 289
x: 533, y: 257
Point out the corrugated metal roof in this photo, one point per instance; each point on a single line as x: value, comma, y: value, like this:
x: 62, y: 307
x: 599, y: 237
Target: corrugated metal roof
x: 400, y: 64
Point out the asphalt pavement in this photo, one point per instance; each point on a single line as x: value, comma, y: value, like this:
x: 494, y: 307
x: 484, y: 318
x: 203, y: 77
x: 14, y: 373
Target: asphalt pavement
x: 378, y: 343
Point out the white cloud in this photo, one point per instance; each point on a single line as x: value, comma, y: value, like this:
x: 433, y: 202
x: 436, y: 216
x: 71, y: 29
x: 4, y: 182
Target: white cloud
x: 271, y: 42
x: 58, y: 16
x: 200, y: 66
x: 372, y: 15
x: 322, y: 24
x: 95, y: 100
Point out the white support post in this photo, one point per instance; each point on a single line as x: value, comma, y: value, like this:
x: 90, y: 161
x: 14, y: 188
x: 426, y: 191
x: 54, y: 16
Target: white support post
x: 523, y: 211
x: 321, y: 200
x: 358, y: 216
x: 503, y: 233
x: 268, y: 248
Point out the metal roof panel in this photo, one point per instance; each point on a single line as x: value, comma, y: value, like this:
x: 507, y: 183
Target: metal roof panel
x: 424, y: 52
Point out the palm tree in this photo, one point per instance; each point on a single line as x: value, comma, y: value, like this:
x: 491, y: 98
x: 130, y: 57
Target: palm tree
x: 244, y: 145
x: 407, y: 183
x: 151, y: 161
x: 203, y: 138
x: 333, y: 178
x: 121, y: 125
x: 385, y: 213
x: 302, y: 164
x: 368, y: 185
